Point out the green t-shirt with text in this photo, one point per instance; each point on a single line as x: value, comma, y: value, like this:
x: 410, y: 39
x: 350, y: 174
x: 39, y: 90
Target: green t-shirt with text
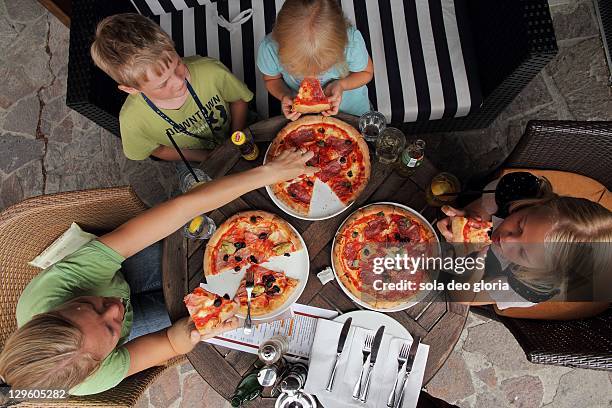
x: 143, y: 130
x: 93, y: 270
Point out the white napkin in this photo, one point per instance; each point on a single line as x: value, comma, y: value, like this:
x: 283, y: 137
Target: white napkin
x: 71, y: 240
x: 383, y: 375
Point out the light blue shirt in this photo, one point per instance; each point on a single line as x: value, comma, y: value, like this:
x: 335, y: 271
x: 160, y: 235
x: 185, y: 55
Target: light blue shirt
x: 354, y: 101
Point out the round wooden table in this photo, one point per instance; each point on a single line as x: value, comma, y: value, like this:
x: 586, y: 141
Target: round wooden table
x: 437, y: 321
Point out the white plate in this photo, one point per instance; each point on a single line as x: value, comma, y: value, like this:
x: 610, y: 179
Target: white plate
x: 418, y: 296
x: 295, y: 266
x: 323, y: 205
x: 373, y: 320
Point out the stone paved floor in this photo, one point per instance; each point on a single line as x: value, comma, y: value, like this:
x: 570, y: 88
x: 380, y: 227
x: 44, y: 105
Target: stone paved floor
x: 47, y: 148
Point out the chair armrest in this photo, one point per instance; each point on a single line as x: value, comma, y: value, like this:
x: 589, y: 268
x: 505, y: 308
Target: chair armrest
x: 579, y: 147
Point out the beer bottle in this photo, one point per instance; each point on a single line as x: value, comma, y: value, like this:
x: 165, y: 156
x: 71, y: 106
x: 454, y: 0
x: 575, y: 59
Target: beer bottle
x: 411, y: 158
x: 246, y: 145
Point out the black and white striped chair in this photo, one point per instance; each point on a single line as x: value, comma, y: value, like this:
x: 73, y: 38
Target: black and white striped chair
x: 435, y: 68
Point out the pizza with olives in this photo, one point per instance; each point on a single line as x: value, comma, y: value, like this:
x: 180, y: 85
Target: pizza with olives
x: 249, y: 238
x: 271, y: 291
x: 374, y: 232
x: 310, y: 97
x: 208, y: 310
x: 340, y: 153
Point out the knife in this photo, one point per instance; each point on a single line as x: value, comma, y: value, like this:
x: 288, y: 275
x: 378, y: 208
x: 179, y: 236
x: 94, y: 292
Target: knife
x: 411, y: 354
x: 341, y: 341
x: 375, y: 346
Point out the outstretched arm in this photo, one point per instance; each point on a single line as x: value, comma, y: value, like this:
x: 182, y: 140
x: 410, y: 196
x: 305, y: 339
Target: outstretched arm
x: 159, y: 222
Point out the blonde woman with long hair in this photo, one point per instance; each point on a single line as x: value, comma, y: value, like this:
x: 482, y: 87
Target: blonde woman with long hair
x: 312, y: 38
x: 546, y: 247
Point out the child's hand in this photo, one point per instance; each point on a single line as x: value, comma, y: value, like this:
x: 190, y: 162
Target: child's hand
x: 334, y: 91
x: 183, y: 335
x: 290, y: 164
x: 445, y: 224
x: 287, y: 106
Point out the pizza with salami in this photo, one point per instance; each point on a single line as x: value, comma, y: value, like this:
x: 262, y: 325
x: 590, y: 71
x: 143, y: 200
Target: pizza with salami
x: 340, y: 153
x: 474, y: 234
x: 380, y: 231
x: 310, y: 97
x: 208, y: 310
x: 271, y: 291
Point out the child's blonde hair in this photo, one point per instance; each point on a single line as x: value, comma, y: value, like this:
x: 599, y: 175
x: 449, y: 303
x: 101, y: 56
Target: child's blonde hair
x: 46, y: 352
x: 576, y: 245
x: 311, y: 37
x: 127, y: 45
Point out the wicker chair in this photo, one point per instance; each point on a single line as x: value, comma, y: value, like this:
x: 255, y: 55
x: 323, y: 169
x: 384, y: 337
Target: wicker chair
x: 29, y: 227
x: 584, y: 148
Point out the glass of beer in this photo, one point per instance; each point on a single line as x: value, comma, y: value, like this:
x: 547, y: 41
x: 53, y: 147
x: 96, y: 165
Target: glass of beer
x: 389, y: 145
x: 371, y: 124
x: 443, y: 189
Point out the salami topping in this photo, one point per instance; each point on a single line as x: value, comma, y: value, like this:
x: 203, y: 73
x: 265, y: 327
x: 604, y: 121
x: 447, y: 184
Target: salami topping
x: 375, y: 227
x: 329, y: 170
x: 301, y: 136
x: 299, y: 192
x: 340, y: 146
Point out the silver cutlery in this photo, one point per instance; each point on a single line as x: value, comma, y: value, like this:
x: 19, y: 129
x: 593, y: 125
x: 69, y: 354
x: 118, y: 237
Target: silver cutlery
x: 249, y: 285
x: 373, y: 355
x: 366, y: 350
x: 401, y: 360
x: 409, y: 362
x: 341, y: 341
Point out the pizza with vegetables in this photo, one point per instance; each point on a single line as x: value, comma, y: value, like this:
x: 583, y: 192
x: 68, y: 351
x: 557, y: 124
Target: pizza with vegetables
x: 247, y: 238
x: 271, y: 291
x: 208, y: 310
x: 380, y: 231
x: 471, y: 231
x: 340, y: 153
x: 310, y: 97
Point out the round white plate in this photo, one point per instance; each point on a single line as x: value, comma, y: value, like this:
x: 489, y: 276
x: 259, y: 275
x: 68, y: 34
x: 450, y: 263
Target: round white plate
x: 323, y: 205
x: 418, y: 296
x: 296, y: 266
x: 373, y: 320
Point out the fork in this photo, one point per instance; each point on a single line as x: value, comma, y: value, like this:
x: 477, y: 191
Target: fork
x: 249, y: 285
x: 366, y: 350
x: 401, y: 360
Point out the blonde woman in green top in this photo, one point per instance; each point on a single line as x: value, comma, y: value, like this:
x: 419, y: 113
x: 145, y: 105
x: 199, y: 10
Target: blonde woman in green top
x: 75, y: 317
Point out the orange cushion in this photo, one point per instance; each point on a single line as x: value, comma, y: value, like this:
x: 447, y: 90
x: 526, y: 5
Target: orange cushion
x: 606, y: 200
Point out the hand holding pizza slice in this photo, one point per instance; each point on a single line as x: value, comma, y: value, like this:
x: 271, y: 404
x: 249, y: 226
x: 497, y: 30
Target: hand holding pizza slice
x: 209, y: 311
x: 311, y: 98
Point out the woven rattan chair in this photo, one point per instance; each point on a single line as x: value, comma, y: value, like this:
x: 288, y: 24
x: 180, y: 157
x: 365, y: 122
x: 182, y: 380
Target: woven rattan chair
x: 29, y: 227
x: 584, y: 148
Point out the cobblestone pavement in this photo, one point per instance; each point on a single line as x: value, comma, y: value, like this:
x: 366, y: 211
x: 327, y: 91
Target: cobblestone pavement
x: 46, y: 148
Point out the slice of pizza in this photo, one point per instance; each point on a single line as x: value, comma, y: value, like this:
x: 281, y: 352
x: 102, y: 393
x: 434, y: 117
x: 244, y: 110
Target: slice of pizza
x: 271, y: 291
x: 296, y: 193
x: 310, y: 97
x: 470, y: 230
x: 208, y: 310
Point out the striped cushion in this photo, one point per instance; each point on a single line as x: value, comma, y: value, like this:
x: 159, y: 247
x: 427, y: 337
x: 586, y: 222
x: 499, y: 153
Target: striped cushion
x: 422, y: 51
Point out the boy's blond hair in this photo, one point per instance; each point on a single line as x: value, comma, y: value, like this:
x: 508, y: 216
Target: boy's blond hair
x: 127, y: 45
x: 46, y: 352
x: 311, y: 37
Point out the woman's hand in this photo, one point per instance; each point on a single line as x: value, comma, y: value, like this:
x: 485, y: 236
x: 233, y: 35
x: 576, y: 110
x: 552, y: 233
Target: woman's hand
x: 287, y: 106
x: 289, y: 165
x: 334, y: 91
x: 183, y: 335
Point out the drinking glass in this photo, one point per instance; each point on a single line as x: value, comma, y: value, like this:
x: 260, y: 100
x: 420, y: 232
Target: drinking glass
x: 389, y: 145
x: 201, y: 227
x: 371, y: 124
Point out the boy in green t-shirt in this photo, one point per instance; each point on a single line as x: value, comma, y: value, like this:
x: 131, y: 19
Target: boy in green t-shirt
x: 196, y: 100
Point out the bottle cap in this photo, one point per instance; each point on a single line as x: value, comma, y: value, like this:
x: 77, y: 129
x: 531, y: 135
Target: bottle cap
x: 238, y: 138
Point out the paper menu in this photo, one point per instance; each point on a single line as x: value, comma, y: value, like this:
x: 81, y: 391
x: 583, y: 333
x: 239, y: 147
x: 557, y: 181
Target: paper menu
x: 299, y: 328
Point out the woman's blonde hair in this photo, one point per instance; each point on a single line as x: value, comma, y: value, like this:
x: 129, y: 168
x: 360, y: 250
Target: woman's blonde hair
x: 127, y: 45
x: 311, y: 37
x: 46, y: 352
x: 576, y: 246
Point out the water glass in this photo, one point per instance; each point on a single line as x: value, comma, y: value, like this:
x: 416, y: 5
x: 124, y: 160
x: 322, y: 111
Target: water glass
x: 187, y: 181
x: 201, y: 227
x: 389, y: 145
x: 371, y: 124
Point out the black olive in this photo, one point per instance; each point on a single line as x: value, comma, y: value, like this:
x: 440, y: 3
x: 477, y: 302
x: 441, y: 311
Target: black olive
x: 238, y: 258
x: 237, y: 268
x: 380, y: 213
x: 366, y: 252
x: 309, y: 164
x: 263, y: 235
x: 253, y: 259
x: 343, y: 160
x: 292, y: 194
x: 310, y: 183
x: 225, y: 257
x: 253, y: 219
x: 348, y: 142
x: 321, y: 130
x: 346, y: 184
x: 276, y: 289
x: 355, y: 233
x: 321, y: 143
x: 349, y: 173
x: 217, y: 302
x: 242, y: 245
x: 398, y: 236
x: 237, y: 245
x: 287, y: 254
x: 226, y: 297
x: 268, y: 283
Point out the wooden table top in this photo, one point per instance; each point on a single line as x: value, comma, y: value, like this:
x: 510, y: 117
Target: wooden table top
x: 439, y: 323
